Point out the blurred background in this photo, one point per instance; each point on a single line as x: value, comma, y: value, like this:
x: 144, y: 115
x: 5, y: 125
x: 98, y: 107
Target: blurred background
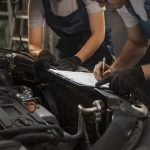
x: 14, y: 22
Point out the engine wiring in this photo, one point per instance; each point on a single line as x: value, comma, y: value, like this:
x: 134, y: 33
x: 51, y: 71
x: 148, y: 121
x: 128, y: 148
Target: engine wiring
x: 5, y: 50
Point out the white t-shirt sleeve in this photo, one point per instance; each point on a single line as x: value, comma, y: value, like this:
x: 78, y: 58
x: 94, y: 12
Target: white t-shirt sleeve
x: 93, y: 7
x: 36, y: 13
x: 129, y: 19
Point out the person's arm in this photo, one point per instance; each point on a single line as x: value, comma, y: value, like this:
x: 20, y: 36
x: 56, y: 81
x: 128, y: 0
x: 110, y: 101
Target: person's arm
x: 133, y: 50
x: 35, y: 41
x: 97, y: 26
x: 132, y: 53
x: 146, y: 70
x: 35, y: 26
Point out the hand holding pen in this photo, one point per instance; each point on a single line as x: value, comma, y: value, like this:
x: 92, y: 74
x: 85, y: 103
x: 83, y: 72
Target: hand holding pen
x: 102, y: 70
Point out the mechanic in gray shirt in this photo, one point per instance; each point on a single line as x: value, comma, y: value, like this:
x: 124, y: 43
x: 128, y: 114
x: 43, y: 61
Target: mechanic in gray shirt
x: 80, y: 24
x: 132, y: 68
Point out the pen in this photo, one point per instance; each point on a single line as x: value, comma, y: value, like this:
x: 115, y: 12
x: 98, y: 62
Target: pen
x: 103, y: 64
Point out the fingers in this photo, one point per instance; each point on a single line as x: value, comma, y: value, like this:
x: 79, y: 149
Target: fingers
x: 97, y: 71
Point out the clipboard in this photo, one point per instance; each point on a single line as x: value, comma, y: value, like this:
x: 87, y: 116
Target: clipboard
x: 82, y: 79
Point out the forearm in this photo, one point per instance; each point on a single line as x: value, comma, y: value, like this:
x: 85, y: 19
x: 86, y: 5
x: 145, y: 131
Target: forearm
x: 97, y: 27
x: 131, y: 54
x: 35, y: 41
x: 90, y: 47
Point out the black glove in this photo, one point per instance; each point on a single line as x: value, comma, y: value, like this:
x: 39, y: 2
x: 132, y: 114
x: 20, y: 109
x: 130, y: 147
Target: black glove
x: 123, y: 82
x: 69, y: 64
x: 103, y: 81
x: 45, y: 59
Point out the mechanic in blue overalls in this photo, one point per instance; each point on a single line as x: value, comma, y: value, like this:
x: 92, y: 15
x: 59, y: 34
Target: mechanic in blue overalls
x: 132, y: 68
x: 80, y: 24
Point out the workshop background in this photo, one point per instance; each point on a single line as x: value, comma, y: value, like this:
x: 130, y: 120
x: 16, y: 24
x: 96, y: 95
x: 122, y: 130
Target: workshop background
x: 14, y: 22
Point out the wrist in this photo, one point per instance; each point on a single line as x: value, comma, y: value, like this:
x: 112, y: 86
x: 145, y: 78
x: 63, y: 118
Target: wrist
x: 113, y: 68
x: 34, y: 53
x: 77, y: 60
x: 119, y: 64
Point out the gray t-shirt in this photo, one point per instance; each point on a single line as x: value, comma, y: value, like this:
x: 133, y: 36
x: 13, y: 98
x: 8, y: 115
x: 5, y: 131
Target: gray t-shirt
x: 129, y: 19
x: 59, y: 7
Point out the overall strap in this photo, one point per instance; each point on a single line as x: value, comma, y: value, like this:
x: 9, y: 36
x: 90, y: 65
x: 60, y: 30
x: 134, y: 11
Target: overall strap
x: 131, y: 9
x: 82, y: 8
x: 47, y: 6
x: 147, y: 7
x: 80, y: 4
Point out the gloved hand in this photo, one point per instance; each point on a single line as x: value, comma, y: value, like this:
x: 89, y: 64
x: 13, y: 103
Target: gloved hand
x: 45, y: 59
x: 123, y: 82
x: 69, y: 64
x: 103, y: 81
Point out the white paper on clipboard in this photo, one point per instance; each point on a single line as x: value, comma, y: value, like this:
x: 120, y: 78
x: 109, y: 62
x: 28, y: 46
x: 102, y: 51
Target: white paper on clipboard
x: 83, y: 78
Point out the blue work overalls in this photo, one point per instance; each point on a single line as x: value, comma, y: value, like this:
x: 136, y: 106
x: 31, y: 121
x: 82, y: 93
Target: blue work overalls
x: 145, y: 28
x: 74, y: 31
